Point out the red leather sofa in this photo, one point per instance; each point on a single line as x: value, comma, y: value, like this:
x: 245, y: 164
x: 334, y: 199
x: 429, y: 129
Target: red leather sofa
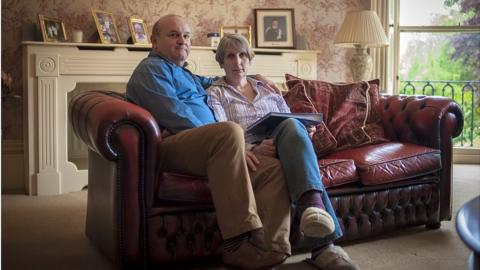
x: 140, y: 216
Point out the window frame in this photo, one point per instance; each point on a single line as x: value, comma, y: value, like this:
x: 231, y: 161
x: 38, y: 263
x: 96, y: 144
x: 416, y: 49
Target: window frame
x: 394, y: 9
x: 460, y: 154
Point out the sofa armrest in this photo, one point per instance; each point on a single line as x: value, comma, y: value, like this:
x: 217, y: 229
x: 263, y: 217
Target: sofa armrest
x: 429, y: 121
x: 122, y: 139
x: 94, y: 116
x: 421, y: 119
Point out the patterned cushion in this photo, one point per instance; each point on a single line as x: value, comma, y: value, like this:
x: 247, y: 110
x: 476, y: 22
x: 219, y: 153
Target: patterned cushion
x: 314, y: 94
x: 323, y: 141
x: 350, y: 111
x: 300, y: 101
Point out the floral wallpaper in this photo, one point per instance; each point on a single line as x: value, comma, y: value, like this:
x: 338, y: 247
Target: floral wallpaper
x: 316, y: 22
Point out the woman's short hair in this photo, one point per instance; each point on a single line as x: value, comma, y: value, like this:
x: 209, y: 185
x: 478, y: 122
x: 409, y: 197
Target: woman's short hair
x: 236, y: 41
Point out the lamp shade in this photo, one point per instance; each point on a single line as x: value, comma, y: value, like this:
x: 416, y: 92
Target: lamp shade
x: 361, y: 28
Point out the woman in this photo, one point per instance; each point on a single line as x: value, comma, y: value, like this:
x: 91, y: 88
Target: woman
x: 244, y: 100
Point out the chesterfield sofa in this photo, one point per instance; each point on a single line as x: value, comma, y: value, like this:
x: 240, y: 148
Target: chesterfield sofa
x: 140, y: 216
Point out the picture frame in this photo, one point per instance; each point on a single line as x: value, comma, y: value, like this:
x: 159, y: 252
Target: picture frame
x: 138, y: 30
x: 106, y: 27
x: 53, y: 29
x: 275, y: 28
x: 244, y: 30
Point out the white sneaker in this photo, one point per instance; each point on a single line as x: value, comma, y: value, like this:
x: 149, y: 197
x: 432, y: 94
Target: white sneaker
x: 316, y: 222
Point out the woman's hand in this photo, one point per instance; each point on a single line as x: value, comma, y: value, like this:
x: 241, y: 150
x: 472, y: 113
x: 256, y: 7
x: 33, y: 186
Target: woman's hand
x: 252, y: 160
x: 311, y: 130
x: 265, y: 148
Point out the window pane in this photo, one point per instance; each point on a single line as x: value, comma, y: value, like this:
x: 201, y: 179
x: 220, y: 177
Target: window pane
x: 439, y: 56
x: 438, y: 12
x: 444, y: 64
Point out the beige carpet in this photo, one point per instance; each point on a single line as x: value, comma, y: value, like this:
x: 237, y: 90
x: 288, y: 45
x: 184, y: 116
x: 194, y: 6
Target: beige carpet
x: 48, y: 233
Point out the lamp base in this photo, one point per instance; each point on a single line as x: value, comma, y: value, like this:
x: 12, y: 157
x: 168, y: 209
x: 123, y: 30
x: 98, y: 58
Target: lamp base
x: 361, y: 64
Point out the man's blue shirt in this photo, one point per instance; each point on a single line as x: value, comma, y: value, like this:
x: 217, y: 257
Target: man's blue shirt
x: 172, y: 94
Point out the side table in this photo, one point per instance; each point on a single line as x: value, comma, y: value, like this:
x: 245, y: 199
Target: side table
x: 468, y: 227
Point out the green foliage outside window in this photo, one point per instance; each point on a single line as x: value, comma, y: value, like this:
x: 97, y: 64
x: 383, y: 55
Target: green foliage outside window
x: 448, y: 58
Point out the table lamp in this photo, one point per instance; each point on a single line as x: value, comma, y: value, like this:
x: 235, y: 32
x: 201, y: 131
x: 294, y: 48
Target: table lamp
x: 361, y: 30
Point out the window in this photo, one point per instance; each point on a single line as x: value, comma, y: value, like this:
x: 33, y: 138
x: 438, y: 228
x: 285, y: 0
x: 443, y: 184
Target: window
x: 436, y: 52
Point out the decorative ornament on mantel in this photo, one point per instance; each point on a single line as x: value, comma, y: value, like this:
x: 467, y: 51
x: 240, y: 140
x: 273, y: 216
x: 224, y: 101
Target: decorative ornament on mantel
x: 361, y: 30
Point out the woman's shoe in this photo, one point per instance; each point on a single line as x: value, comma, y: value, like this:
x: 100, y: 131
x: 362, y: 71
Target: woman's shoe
x: 316, y: 222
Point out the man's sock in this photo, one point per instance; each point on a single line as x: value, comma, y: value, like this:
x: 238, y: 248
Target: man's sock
x: 232, y: 244
x: 318, y: 250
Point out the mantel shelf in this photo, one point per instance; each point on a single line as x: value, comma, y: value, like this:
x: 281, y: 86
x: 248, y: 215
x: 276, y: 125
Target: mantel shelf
x: 101, y: 46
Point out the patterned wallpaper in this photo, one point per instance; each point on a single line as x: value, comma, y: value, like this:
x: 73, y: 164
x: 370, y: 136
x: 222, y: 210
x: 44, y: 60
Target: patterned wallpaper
x: 316, y: 22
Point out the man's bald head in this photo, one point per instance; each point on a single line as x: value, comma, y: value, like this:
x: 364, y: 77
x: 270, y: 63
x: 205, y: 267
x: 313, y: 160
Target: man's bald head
x: 171, y: 38
x: 160, y: 23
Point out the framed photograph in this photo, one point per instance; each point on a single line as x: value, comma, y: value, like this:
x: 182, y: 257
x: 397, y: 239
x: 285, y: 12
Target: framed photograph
x: 53, y: 29
x: 275, y: 28
x: 244, y: 30
x: 138, y: 30
x: 107, y: 30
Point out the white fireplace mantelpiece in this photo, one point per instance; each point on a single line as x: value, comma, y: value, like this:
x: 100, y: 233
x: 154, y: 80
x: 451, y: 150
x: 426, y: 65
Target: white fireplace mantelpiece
x: 52, y: 70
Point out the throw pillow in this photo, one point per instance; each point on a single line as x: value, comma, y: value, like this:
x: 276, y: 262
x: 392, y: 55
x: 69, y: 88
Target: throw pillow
x: 299, y: 101
x: 315, y: 93
x: 323, y: 141
x: 350, y: 111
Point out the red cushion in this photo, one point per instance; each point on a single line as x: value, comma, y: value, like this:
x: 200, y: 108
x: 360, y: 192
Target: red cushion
x: 350, y: 111
x: 323, y: 141
x: 183, y: 188
x: 305, y: 96
x: 176, y: 187
x: 390, y: 162
x: 314, y: 95
x: 337, y: 172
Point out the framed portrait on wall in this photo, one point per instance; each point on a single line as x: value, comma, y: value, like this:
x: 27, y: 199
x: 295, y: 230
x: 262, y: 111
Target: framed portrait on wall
x: 275, y: 28
x: 53, y: 29
x: 244, y: 30
x: 107, y: 30
x: 138, y: 30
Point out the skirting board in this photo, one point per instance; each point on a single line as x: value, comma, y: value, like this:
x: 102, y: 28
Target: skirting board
x: 466, y: 156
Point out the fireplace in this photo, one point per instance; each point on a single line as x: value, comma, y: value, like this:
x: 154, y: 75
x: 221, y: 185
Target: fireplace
x: 55, y: 161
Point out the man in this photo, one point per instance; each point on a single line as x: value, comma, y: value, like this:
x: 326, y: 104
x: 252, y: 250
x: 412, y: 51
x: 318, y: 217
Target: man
x: 252, y: 208
x: 274, y: 32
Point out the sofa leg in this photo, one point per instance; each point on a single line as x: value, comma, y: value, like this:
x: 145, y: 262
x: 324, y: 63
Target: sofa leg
x: 433, y: 226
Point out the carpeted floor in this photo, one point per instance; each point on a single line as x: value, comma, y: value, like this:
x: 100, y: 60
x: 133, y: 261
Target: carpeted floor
x: 48, y: 233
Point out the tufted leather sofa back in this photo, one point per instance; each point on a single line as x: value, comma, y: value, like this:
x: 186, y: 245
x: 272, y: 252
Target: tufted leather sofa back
x: 414, y: 118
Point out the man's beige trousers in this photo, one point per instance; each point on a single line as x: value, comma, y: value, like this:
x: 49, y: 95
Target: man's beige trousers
x: 243, y: 200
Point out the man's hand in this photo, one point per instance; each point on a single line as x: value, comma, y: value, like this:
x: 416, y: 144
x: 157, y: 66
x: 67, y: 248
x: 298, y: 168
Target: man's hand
x: 266, y: 148
x: 252, y: 160
x: 271, y: 86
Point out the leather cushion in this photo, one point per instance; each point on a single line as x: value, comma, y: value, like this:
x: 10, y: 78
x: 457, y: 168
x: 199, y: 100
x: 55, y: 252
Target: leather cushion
x: 392, y: 161
x: 337, y: 172
x: 183, y: 188
x: 175, y: 187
